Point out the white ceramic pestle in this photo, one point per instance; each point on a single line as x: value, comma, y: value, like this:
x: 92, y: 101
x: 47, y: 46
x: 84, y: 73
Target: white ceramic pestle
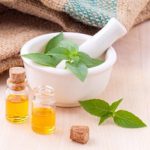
x: 103, y: 39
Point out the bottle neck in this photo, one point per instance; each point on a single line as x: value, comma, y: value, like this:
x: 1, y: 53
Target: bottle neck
x: 44, y: 95
x: 44, y: 100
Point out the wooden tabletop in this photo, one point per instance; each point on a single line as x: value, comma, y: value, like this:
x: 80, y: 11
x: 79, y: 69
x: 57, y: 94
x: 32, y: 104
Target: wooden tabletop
x: 130, y: 80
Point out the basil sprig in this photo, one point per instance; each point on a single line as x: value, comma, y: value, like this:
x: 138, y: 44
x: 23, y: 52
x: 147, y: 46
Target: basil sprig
x: 58, y: 49
x: 103, y: 110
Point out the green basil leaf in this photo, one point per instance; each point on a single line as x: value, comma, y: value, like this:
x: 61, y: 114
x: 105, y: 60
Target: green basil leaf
x: 88, y: 61
x: 75, y: 58
x: 78, y: 69
x: 56, y: 60
x: 104, y: 117
x: 126, y: 119
x: 114, y: 105
x: 59, y: 52
x: 95, y: 107
x: 68, y: 44
x: 52, y: 43
x: 41, y: 59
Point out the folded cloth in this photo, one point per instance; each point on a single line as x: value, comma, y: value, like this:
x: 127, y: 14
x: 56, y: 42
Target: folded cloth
x: 98, y: 12
x: 92, y: 12
x: 15, y: 30
x: 70, y: 15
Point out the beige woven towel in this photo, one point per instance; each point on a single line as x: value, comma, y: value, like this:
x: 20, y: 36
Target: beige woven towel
x: 36, y: 8
x: 144, y: 14
x: 129, y: 12
x: 17, y: 28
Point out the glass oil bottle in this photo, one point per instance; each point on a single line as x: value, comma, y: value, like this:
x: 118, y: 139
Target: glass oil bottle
x: 16, y: 96
x: 43, y: 110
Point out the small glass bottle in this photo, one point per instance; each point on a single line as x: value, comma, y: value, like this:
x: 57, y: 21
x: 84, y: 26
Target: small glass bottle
x: 16, y: 96
x: 43, y: 110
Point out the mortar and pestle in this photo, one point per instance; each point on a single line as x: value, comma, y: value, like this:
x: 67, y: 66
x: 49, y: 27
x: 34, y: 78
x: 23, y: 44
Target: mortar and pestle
x: 69, y: 89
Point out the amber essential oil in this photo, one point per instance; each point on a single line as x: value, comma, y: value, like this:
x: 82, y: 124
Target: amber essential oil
x: 43, y: 120
x: 16, y: 108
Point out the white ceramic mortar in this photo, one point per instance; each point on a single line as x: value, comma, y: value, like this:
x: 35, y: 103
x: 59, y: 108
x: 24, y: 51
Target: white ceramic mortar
x: 68, y: 89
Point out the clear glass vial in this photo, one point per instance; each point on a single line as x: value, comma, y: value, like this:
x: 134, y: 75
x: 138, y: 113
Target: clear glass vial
x: 16, y: 96
x: 43, y: 110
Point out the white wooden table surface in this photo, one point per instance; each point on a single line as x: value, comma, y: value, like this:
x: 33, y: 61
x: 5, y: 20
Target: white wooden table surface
x: 130, y: 80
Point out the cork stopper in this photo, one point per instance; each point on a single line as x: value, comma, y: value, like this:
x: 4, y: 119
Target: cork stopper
x: 79, y: 134
x: 16, y: 80
x: 17, y: 74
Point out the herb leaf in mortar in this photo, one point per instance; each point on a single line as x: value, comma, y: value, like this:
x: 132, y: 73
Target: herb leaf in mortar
x: 42, y: 59
x: 78, y: 69
x: 59, y: 52
x: 52, y: 43
x: 68, y: 44
x: 102, y: 109
x: 88, y: 61
x: 58, y: 49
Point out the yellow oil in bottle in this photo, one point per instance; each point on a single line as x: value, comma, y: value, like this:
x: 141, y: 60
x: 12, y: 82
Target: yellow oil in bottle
x: 43, y: 120
x: 16, y: 108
